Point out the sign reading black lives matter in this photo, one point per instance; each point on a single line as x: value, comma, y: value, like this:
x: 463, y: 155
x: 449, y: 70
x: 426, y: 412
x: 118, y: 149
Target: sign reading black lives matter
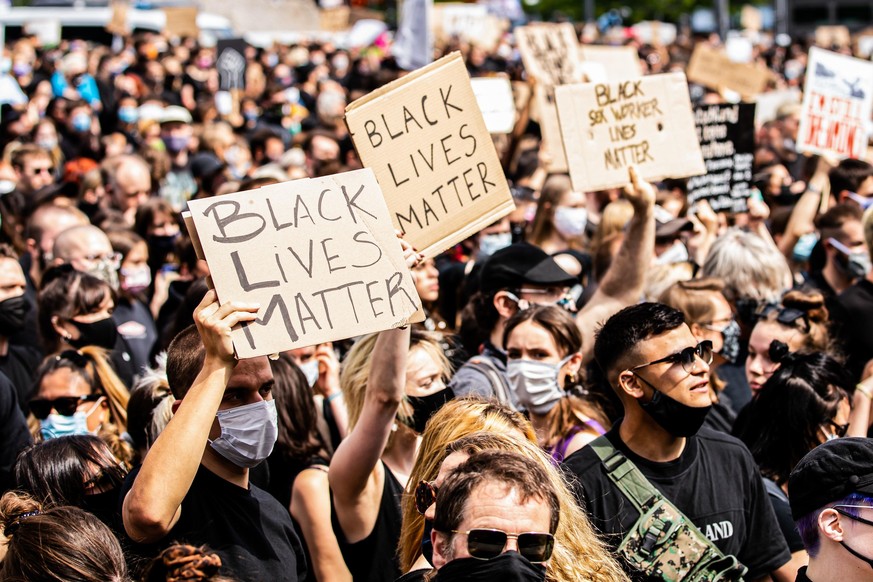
x: 320, y: 256
x: 727, y: 140
x: 645, y: 122
x: 425, y: 138
x: 231, y: 64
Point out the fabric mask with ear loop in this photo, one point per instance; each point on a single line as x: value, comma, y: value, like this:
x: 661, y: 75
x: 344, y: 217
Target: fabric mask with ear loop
x: 535, y: 384
x: 523, y: 304
x: 858, y: 262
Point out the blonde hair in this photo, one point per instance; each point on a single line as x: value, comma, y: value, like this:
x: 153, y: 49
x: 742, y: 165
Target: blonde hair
x: 749, y: 266
x: 694, y: 298
x: 355, y: 372
x: 578, y: 554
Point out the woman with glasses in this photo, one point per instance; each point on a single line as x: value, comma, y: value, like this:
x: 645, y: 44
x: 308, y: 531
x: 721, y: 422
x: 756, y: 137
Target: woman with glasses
x: 804, y: 403
x: 78, y: 470
x: 77, y: 393
x: 710, y: 318
x: 544, y: 346
x: 576, y: 552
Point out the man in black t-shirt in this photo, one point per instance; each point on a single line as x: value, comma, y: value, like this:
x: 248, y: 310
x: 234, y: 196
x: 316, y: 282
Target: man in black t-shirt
x: 194, y: 483
x: 661, y: 376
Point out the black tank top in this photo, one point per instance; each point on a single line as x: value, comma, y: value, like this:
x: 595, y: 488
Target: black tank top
x: 374, y: 558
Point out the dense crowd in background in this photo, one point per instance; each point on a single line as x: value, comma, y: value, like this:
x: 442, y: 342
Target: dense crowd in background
x: 133, y: 446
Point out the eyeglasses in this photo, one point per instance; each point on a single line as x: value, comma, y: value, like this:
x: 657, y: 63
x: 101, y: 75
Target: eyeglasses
x: 425, y: 496
x: 65, y: 405
x: 859, y: 519
x: 485, y: 544
x: 839, y: 429
x: 787, y: 316
x: 686, y: 357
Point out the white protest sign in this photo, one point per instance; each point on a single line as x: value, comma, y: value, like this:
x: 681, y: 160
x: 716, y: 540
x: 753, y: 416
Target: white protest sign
x: 425, y: 139
x: 617, y: 62
x: 495, y: 99
x: 768, y: 104
x: 837, y: 101
x: 550, y: 53
x: 320, y: 257
x: 645, y: 122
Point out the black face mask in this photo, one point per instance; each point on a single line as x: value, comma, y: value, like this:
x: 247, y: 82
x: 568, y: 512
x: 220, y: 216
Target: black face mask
x: 102, y: 334
x: 857, y: 554
x: 13, y: 313
x: 423, y: 407
x: 507, y: 567
x: 680, y: 420
x: 426, y: 544
x: 786, y: 197
x: 162, y: 245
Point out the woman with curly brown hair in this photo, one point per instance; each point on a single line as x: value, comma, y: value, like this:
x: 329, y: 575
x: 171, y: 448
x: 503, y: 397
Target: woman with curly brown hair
x: 185, y: 563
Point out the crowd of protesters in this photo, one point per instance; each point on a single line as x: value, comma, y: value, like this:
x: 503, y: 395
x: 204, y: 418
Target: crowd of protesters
x: 607, y: 386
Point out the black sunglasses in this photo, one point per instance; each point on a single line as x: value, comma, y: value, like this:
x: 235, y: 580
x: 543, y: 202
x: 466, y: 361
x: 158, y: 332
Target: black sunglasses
x: 839, y: 429
x: 787, y: 316
x: 485, y: 544
x: 65, y: 405
x: 425, y: 496
x: 686, y: 357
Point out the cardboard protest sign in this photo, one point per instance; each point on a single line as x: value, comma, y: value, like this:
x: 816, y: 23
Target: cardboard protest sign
x: 618, y: 62
x: 550, y: 54
x: 467, y: 22
x: 654, y: 32
x: 714, y: 69
x: 727, y: 141
x: 750, y: 18
x: 118, y: 23
x: 837, y: 101
x: 645, y: 122
x: 231, y: 64
x: 181, y: 21
x: 768, y: 104
x: 334, y: 19
x: 320, y: 257
x: 424, y: 137
x: 495, y: 99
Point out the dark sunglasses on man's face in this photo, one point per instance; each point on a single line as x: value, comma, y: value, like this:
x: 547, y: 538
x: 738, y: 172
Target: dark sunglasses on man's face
x: 485, y: 544
x: 65, y: 405
x: 686, y: 357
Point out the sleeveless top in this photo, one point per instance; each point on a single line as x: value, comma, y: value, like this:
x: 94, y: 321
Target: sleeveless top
x: 559, y: 451
x: 374, y: 558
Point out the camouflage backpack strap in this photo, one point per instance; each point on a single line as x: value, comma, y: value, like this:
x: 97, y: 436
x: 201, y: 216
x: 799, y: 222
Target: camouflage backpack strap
x: 625, y: 474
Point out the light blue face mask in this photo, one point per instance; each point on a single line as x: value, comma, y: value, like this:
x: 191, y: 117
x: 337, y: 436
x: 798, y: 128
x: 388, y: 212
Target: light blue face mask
x: 58, y: 425
x: 491, y: 243
x: 803, y: 247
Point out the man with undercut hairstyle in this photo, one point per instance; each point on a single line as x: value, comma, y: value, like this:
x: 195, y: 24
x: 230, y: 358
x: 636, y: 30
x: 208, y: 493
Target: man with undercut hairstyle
x: 657, y: 463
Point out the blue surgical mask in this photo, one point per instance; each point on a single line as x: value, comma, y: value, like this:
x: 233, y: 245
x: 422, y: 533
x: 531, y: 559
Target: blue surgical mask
x: 803, y: 247
x: 128, y: 114
x: 310, y: 370
x: 82, y: 122
x: 248, y: 433
x: 857, y: 262
x: 58, y: 425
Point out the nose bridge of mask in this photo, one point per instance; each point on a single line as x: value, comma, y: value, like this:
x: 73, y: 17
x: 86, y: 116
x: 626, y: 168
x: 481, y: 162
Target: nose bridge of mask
x: 236, y: 419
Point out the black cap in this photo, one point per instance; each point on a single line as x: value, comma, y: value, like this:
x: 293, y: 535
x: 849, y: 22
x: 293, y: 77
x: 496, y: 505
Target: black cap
x: 830, y: 472
x: 204, y: 165
x: 520, y: 264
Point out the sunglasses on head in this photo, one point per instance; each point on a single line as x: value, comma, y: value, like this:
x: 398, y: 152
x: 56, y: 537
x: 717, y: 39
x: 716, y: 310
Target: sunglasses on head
x: 65, y: 405
x: 425, y: 496
x: 687, y: 357
x: 485, y: 544
x: 787, y: 316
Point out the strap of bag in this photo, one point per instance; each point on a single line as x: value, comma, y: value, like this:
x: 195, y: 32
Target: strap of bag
x: 628, y: 478
x: 498, y: 380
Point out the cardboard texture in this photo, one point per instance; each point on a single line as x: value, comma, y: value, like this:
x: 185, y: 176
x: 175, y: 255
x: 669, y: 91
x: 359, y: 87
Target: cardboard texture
x: 750, y: 18
x: 713, y: 69
x: 334, y: 19
x: 181, y: 21
x: 118, y: 23
x: 467, y: 22
x: 320, y: 256
x: 727, y: 141
x: 833, y: 36
x: 231, y: 64
x: 837, y: 101
x: 645, y: 122
x: 550, y: 53
x: 425, y: 138
x: 618, y: 62
x: 768, y: 104
x: 495, y: 99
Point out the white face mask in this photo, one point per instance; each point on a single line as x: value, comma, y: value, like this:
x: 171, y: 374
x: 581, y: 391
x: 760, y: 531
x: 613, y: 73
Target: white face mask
x: 535, y: 384
x: 678, y: 253
x: 248, y: 433
x: 570, y: 221
x: 310, y: 370
x: 491, y: 243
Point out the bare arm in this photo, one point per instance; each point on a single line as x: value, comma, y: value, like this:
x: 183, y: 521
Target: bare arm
x: 623, y: 283
x: 803, y: 216
x: 356, y: 477
x: 153, y: 505
x: 310, y: 507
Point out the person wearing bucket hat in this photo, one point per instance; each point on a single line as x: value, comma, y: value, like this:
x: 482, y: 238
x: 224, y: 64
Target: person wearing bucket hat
x: 521, y: 274
x: 831, y: 493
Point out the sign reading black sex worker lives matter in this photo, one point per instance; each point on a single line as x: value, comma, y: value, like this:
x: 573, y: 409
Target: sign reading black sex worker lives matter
x: 645, y: 122
x: 319, y: 255
x: 425, y: 138
x: 231, y: 64
x: 837, y: 101
x: 727, y: 140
